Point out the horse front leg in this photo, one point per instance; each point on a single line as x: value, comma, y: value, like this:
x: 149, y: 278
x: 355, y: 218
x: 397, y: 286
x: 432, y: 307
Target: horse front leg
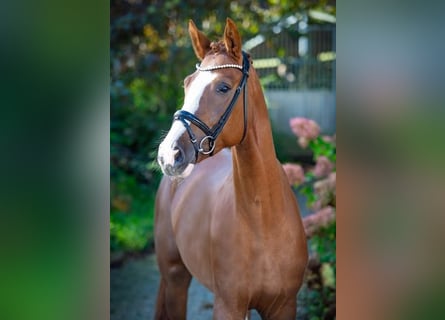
x: 229, y: 310
x: 175, y: 278
x: 288, y: 311
x: 172, y: 295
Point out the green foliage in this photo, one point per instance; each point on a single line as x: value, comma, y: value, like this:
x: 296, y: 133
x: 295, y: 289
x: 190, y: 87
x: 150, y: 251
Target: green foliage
x: 130, y: 232
x: 320, y: 289
x: 321, y: 147
x: 308, y: 191
x: 318, y: 295
x: 132, y: 214
x: 324, y: 244
x: 322, y: 280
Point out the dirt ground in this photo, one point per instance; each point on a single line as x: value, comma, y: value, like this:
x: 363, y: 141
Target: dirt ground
x: 134, y: 287
x: 133, y: 292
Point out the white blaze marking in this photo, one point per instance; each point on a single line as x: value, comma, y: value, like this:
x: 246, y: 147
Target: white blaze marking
x: 191, y: 104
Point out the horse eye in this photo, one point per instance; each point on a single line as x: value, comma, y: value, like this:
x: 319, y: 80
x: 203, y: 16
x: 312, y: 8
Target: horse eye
x: 222, y: 88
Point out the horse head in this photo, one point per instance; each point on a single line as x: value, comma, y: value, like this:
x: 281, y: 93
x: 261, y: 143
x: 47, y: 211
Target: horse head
x: 212, y: 117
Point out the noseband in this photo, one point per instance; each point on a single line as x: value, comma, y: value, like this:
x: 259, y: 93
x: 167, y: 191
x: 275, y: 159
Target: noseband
x: 212, y: 133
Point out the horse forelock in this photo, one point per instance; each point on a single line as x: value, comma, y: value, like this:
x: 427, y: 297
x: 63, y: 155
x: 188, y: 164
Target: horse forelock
x: 218, y: 47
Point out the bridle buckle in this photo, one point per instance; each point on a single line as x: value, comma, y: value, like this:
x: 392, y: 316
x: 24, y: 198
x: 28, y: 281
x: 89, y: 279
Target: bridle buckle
x: 212, y: 145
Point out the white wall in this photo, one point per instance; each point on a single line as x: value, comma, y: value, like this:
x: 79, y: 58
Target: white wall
x: 319, y: 105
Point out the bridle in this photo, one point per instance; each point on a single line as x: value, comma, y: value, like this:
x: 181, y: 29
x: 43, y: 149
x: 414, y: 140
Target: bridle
x: 212, y: 133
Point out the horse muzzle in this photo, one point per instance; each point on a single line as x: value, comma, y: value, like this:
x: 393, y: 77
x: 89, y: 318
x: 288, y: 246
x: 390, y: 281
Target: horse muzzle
x: 174, y: 161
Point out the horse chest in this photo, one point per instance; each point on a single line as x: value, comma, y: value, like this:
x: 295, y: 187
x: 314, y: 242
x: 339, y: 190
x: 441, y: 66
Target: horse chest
x: 196, y: 221
x: 214, y: 242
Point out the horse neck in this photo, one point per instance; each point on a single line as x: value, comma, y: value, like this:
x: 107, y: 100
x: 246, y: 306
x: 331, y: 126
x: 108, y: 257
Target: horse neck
x: 256, y: 170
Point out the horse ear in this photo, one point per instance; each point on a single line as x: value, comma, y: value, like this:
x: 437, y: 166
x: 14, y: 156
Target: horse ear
x: 232, y: 39
x: 200, y: 43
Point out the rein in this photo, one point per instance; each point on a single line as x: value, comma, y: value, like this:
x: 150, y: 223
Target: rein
x: 212, y: 133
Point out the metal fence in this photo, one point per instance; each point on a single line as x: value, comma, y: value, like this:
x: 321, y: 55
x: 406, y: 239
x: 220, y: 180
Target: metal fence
x: 296, y: 66
x: 298, y: 57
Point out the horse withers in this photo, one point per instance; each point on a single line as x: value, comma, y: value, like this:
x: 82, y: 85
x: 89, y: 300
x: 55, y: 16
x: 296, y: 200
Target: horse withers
x: 225, y: 213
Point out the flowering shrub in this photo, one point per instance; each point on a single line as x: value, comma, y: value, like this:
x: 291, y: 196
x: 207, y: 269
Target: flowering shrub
x: 318, y: 184
x: 323, y: 167
x: 305, y: 129
x: 294, y: 173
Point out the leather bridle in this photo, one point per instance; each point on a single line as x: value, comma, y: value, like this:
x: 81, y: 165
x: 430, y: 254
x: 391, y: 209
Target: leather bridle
x: 212, y: 133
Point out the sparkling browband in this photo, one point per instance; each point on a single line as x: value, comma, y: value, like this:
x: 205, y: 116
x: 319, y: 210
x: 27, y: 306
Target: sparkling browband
x: 223, y: 66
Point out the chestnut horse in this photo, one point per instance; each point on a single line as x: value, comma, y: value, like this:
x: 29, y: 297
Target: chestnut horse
x: 225, y: 213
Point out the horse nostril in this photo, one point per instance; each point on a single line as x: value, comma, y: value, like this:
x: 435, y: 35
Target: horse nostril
x: 179, y: 155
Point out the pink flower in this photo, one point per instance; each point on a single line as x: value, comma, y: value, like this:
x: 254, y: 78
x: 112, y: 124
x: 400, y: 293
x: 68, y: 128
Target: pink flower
x: 303, y: 142
x: 332, y: 178
x: 294, y: 173
x: 326, y: 191
x: 329, y: 139
x: 317, y: 220
x: 323, y: 167
x: 304, y: 128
